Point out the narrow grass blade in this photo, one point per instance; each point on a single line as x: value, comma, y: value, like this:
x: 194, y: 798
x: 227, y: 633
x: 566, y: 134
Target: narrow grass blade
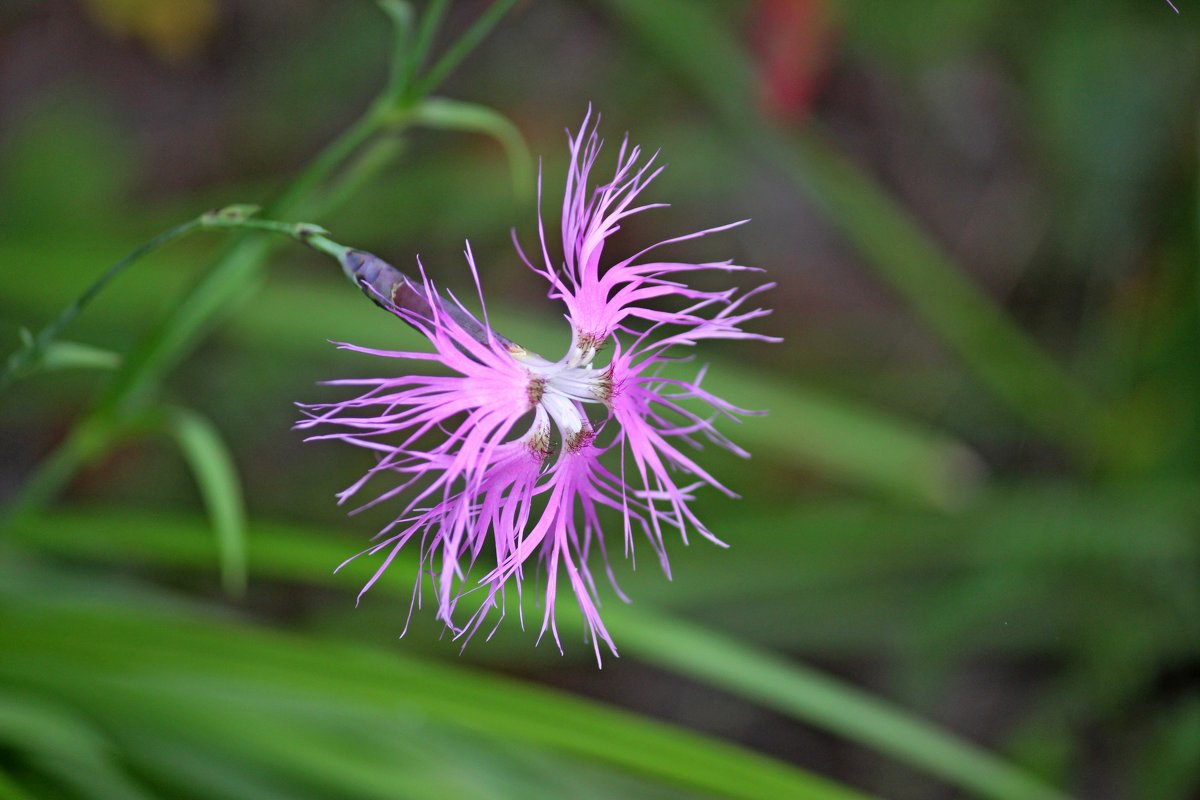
x: 65, y: 747
x: 76, y: 355
x: 819, y: 700
x: 217, y: 479
x: 164, y: 659
x: 739, y: 668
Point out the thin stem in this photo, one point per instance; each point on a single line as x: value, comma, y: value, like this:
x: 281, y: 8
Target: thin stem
x: 399, y: 75
x: 91, y: 436
x: 226, y: 281
x: 179, y: 331
x: 463, y: 47
x: 27, y: 357
x: 426, y: 31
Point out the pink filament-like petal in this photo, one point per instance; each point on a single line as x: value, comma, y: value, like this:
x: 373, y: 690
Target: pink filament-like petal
x: 501, y: 457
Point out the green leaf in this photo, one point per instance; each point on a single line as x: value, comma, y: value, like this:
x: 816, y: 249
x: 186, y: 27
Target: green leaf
x: 74, y: 355
x: 217, y: 479
x: 742, y: 669
x: 65, y: 747
x: 204, y: 771
x: 820, y: 700
x: 456, y: 115
x: 174, y: 670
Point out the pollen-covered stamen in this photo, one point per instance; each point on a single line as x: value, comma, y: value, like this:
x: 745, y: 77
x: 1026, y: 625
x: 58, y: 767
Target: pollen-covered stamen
x: 536, y: 389
x: 538, y: 442
x: 584, y: 384
x: 581, y: 439
x: 583, y: 348
x: 602, y: 386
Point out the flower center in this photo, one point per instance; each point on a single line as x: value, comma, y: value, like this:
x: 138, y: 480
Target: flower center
x: 560, y: 388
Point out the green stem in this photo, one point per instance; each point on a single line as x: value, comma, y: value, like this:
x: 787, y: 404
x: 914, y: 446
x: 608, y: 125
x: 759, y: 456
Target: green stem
x: 90, y: 437
x: 179, y: 331
x: 462, y: 48
x: 430, y: 22
x: 399, y: 76
x: 227, y: 281
x: 27, y: 358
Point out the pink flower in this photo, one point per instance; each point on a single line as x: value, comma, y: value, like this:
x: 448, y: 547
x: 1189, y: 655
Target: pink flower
x: 532, y: 460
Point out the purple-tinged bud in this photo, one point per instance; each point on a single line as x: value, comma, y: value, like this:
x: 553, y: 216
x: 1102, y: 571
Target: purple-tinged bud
x: 394, y: 291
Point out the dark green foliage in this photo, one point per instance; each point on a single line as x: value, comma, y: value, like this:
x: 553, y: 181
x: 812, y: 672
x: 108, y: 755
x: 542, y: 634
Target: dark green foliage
x: 974, y: 501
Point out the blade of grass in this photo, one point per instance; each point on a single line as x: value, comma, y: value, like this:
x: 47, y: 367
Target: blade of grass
x: 65, y: 746
x: 218, y: 713
x: 435, y: 761
x: 75, y: 355
x: 817, y: 699
x: 124, y: 650
x: 217, y: 479
x: 427, y: 29
x: 198, y: 769
x: 399, y: 74
x: 741, y: 669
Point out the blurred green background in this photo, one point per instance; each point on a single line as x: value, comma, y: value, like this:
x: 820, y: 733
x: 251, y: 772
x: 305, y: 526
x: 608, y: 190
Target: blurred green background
x: 966, y: 561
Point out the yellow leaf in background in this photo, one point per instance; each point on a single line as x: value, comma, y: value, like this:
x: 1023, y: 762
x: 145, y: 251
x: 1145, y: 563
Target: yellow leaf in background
x: 173, y: 30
